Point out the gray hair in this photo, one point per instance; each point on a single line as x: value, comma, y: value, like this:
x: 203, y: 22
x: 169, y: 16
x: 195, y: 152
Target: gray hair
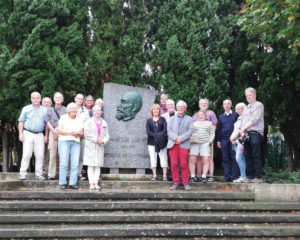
x: 163, y: 95
x: 170, y: 101
x: 89, y: 96
x: 71, y: 105
x: 100, y: 101
x: 203, y: 100
x: 241, y: 104
x: 250, y: 89
x: 228, y: 101
x: 181, y: 103
x: 96, y: 107
x: 58, y: 93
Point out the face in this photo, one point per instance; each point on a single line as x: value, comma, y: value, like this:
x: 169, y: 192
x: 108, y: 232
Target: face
x: 250, y: 96
x: 97, y: 112
x: 79, y: 99
x: 58, y: 99
x: 163, y: 100
x: 155, y: 112
x: 201, y: 116
x: 100, y: 103
x: 203, y: 105
x: 46, y: 102
x: 130, y: 104
x: 181, y: 109
x: 239, y: 110
x: 89, y: 102
x: 227, y: 105
x: 171, y: 107
x: 72, y: 112
x: 35, y: 99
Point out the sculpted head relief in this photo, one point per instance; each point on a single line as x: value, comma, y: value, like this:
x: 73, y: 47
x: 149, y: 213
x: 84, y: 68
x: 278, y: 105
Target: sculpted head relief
x: 130, y: 104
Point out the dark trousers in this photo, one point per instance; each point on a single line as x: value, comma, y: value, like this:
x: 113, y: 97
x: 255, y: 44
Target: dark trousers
x: 252, y: 154
x: 231, y: 170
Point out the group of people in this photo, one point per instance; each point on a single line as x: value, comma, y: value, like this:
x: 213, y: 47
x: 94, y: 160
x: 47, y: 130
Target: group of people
x: 77, y: 135
x: 187, y: 142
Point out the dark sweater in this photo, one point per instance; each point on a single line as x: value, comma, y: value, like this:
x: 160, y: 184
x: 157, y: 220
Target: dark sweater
x: 157, y: 133
x: 225, y: 125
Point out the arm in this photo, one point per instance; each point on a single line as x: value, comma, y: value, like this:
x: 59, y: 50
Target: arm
x: 20, y: 128
x: 219, y: 127
x: 46, y: 134
x: 89, y: 134
x: 189, y: 131
x: 258, y: 113
x: 171, y: 134
x: 211, y: 134
x: 148, y: 129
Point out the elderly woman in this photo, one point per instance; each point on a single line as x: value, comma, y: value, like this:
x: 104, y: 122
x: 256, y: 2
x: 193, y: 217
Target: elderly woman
x: 237, y: 142
x: 96, y: 136
x: 156, y: 127
x: 203, y: 136
x: 70, y: 131
x: 99, y: 102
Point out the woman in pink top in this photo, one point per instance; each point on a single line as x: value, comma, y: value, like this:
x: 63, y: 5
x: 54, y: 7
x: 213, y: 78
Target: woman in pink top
x: 96, y: 136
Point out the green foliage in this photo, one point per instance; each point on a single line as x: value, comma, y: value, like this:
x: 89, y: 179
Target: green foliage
x: 280, y: 177
x: 42, y: 49
x: 273, y: 19
x: 276, y: 158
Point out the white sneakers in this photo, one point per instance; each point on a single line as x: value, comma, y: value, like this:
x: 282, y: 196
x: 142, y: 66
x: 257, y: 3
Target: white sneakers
x: 240, y: 180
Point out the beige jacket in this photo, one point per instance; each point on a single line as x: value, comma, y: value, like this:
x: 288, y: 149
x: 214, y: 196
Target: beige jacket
x: 93, y: 152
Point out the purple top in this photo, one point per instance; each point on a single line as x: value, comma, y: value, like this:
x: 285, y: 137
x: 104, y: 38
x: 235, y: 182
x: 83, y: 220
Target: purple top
x: 99, y: 127
x: 210, y: 116
x: 163, y: 109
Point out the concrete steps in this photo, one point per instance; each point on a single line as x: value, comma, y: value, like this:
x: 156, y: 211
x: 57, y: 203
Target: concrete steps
x: 142, y: 210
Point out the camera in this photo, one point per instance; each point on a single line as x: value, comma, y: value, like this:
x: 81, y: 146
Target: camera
x: 244, y: 139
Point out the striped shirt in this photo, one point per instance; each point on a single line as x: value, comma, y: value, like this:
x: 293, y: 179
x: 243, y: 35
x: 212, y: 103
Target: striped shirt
x: 203, y: 131
x: 33, y: 118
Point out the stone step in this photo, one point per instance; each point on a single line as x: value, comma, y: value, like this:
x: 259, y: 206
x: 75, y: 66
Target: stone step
x: 176, y: 230
x: 123, y: 217
x: 144, y: 204
x: 129, y: 194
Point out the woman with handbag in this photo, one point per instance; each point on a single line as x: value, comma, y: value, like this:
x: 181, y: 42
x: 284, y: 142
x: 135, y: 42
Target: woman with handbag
x: 156, y: 127
x: 203, y: 136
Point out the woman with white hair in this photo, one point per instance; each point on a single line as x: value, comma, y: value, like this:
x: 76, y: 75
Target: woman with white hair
x: 70, y: 131
x: 237, y: 142
x: 96, y: 136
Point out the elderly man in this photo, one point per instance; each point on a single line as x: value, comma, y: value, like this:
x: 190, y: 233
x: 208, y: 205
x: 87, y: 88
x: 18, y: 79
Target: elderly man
x: 31, y: 126
x: 210, y: 116
x: 180, y: 129
x: 52, y: 117
x: 89, y: 103
x: 163, y: 103
x: 46, y: 102
x: 252, y: 123
x: 171, y: 110
x: 224, y: 129
x: 83, y: 115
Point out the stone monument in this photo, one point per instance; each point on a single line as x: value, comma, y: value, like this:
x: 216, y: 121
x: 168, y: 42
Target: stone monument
x: 126, y: 110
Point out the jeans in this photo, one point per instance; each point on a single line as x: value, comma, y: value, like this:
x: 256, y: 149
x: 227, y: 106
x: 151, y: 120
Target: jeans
x: 230, y: 170
x: 239, y: 156
x: 253, y: 155
x: 66, y: 150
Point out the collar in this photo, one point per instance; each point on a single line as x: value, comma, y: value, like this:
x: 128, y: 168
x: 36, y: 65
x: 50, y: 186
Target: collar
x: 227, y: 114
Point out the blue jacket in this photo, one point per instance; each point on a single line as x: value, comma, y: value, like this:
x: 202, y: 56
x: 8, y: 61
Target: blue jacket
x: 225, y: 125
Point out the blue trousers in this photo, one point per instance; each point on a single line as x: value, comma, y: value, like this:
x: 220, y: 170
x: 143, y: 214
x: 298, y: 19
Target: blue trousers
x: 253, y: 156
x: 231, y: 171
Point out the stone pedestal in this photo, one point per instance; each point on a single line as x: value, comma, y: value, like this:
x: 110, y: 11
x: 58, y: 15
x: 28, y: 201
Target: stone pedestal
x: 127, y: 147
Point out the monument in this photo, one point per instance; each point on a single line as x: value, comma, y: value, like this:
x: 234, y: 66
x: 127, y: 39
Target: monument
x: 126, y: 111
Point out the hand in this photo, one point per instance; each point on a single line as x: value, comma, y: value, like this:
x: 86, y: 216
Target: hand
x: 46, y: 139
x: 99, y: 141
x: 21, y: 137
x: 55, y: 136
x: 242, y: 132
x: 178, y: 140
x: 209, y: 143
x: 219, y: 145
x: 232, y: 141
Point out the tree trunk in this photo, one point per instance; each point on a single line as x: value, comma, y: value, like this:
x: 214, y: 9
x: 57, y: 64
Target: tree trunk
x: 296, y: 151
x: 289, y: 151
x: 4, y: 151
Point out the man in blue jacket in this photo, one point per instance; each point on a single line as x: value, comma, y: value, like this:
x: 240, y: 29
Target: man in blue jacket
x: 224, y: 129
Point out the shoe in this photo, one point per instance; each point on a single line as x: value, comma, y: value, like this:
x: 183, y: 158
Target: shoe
x: 165, y: 179
x: 63, y: 186
x: 258, y: 180
x: 92, y: 187
x: 240, y: 180
x: 97, y: 187
x: 51, y: 178
x: 194, y: 179
x: 22, y: 177
x: 250, y: 180
x: 174, y: 186
x: 187, y: 187
x: 228, y: 180
x: 153, y: 179
x: 204, y: 180
x: 73, y: 187
x: 82, y: 178
x: 40, y: 177
x: 210, y: 179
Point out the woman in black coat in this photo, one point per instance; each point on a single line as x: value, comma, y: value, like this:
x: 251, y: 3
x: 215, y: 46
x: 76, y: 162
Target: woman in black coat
x: 157, y: 141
